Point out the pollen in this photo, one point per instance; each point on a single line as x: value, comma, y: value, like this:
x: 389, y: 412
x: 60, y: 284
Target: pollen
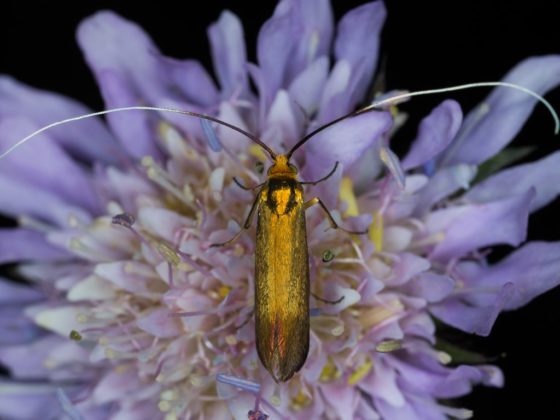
x: 164, y: 406
x: 223, y: 291
x: 169, y: 395
x: 300, y: 401
x: 347, y: 195
x: 75, y: 335
x: 231, y: 340
x: 376, y: 231
x: 258, y: 152
x: 275, y: 400
x: 444, y: 358
x: 360, y: 373
x: 330, y: 372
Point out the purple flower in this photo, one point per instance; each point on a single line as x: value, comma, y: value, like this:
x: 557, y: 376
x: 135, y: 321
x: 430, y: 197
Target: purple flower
x: 129, y: 314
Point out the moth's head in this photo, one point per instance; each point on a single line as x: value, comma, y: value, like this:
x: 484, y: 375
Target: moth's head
x: 282, y: 167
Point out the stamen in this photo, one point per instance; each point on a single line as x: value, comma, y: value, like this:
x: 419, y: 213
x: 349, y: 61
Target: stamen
x: 160, y: 177
x: 388, y: 346
x: 376, y: 231
x: 392, y: 163
x: 330, y: 372
x: 347, y: 195
x: 300, y: 401
x: 243, y: 384
x: 211, y: 136
x: 374, y: 316
x: 360, y: 373
x: 214, y: 311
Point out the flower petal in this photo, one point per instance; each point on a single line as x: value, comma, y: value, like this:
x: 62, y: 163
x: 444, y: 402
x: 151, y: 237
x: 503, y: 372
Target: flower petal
x: 466, y: 228
x: 15, y: 327
x: 133, y: 128
x: 543, y: 175
x: 274, y: 47
x: 313, y: 33
x: 23, y: 402
x: 61, y: 320
x: 160, y: 324
x: 131, y: 71
x: 494, y: 123
x: 343, y: 400
x: 24, y: 244
x: 293, y: 37
x: 407, y: 266
x: 435, y: 133
x: 345, y: 142
x: 228, y: 54
x: 532, y: 269
x: 473, y: 319
x: 430, y: 286
x: 29, y: 360
x: 42, y: 108
x: 444, y: 183
x: 55, y: 171
x: 13, y: 293
x: 306, y: 88
x: 19, y: 198
x: 389, y: 411
x: 382, y: 382
x: 357, y: 42
x: 91, y: 288
x: 284, y: 122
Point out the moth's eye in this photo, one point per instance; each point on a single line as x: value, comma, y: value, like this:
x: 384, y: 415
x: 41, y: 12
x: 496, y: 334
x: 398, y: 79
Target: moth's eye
x: 259, y: 167
x: 293, y: 168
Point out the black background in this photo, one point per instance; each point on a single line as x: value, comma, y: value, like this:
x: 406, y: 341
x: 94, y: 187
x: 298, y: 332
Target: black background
x: 426, y: 45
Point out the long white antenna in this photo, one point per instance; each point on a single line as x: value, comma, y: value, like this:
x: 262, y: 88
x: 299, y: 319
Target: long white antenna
x: 137, y: 108
x: 397, y: 98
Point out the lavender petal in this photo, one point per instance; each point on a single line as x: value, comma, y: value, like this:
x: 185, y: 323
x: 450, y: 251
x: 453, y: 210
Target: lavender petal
x: 543, y: 175
x: 228, y: 54
x: 435, y: 133
x: 465, y: 228
x: 494, y: 123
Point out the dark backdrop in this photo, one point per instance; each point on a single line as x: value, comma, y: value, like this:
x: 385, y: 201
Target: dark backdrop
x: 426, y: 45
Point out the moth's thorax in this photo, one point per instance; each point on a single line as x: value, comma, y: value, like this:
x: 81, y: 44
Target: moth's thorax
x: 282, y: 194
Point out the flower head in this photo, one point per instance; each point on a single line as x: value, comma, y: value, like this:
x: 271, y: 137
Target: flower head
x: 129, y: 311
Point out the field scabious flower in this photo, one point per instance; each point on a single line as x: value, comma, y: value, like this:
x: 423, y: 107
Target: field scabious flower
x: 129, y: 314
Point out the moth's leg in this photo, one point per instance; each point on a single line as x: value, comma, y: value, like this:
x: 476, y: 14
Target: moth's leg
x: 333, y: 223
x: 322, y: 179
x: 330, y: 302
x: 245, y: 226
x: 243, y: 187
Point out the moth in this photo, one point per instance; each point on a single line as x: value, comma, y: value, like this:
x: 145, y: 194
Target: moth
x: 282, y: 286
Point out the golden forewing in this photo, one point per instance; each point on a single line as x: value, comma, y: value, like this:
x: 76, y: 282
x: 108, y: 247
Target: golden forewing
x: 282, y: 282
